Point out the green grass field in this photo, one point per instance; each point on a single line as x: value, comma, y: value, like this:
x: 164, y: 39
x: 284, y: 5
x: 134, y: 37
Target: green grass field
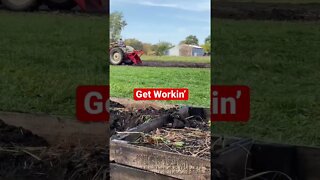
x: 176, y: 58
x: 124, y: 79
x: 280, y: 62
x: 44, y: 57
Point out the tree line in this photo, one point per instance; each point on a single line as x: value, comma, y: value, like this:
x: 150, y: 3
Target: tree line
x: 117, y: 24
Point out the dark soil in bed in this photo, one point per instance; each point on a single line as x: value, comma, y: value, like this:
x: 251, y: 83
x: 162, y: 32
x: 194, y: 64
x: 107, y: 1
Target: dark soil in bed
x: 24, y: 155
x: 54, y: 164
x: 122, y: 119
x: 184, y: 135
x: 16, y: 136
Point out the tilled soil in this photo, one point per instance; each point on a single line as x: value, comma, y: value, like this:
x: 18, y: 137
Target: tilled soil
x: 266, y: 11
x: 174, y: 64
x: 24, y: 155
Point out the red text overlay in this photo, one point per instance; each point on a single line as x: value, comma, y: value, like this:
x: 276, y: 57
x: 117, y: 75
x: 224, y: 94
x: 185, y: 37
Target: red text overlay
x: 92, y: 103
x: 230, y: 103
x: 161, y: 94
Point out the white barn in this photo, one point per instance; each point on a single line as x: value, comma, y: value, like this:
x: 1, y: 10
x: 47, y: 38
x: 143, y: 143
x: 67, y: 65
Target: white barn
x: 185, y: 50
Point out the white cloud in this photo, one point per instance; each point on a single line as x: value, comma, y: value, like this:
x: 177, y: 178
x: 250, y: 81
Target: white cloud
x: 193, y: 19
x: 150, y: 3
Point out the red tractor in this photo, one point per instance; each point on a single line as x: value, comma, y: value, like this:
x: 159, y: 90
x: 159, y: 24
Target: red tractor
x: 124, y: 55
x: 85, y: 5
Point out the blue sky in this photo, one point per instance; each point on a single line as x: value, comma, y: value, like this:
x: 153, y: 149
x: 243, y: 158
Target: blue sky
x: 152, y: 21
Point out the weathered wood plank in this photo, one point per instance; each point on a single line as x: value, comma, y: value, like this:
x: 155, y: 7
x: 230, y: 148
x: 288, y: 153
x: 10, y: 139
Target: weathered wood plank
x: 63, y: 131
x: 118, y: 171
x: 168, y: 163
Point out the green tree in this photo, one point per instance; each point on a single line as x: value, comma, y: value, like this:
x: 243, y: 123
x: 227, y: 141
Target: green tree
x: 154, y: 49
x: 162, y: 47
x: 147, y: 48
x: 207, y: 44
x: 117, y: 23
x: 191, y: 39
x: 136, y: 44
x: 208, y: 39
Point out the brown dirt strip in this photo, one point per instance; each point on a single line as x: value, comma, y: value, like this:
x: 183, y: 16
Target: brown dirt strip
x: 266, y: 11
x: 76, y: 11
x: 174, y: 64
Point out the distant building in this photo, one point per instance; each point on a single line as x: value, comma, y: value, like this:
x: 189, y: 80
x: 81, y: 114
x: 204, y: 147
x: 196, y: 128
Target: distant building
x: 185, y: 50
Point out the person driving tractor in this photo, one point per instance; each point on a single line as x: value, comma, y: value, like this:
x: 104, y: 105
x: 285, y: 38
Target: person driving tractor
x: 121, y: 53
x: 121, y: 43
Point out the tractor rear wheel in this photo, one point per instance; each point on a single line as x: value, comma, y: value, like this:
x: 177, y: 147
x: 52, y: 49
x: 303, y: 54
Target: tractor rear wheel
x: 60, y: 4
x: 116, y: 56
x: 20, y: 5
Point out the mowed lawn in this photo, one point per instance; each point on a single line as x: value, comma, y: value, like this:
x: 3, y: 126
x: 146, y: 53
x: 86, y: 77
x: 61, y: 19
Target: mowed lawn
x: 44, y: 57
x: 123, y: 79
x: 201, y: 59
x: 280, y: 61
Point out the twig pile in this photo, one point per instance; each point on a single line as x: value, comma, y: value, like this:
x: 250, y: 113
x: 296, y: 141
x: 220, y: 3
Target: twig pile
x: 42, y: 162
x: 188, y: 141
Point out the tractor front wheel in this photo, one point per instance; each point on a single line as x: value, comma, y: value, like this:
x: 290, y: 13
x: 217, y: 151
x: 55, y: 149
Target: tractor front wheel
x: 116, y: 56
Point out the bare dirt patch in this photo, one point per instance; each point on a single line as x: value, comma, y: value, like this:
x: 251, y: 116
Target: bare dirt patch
x: 174, y: 64
x: 266, y: 11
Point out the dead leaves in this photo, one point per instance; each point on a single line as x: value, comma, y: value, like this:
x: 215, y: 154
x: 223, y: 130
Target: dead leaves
x: 189, y: 141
